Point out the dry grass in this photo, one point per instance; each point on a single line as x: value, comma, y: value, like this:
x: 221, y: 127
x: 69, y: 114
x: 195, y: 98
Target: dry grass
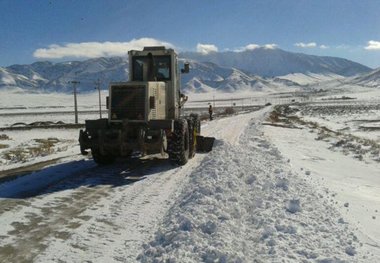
x: 3, y: 146
x: 43, y: 147
x: 229, y: 111
x: 4, y: 137
x: 274, y: 116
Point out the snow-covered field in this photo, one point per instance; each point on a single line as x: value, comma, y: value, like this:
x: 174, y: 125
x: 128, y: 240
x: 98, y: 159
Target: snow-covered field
x: 303, y: 189
x: 344, y: 164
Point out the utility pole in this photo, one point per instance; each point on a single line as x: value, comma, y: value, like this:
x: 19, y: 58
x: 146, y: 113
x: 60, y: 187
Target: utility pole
x: 100, y: 101
x: 74, y: 82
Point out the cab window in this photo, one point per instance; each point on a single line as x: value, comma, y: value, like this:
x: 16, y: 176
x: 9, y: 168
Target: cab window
x: 162, y: 67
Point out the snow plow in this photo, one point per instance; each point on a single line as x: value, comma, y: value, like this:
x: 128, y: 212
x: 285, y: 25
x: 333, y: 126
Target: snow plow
x: 144, y: 113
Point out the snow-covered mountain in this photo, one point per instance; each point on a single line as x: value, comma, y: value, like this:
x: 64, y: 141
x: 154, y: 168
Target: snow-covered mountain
x: 208, y: 76
x: 225, y: 71
x: 276, y: 62
x: 46, y: 76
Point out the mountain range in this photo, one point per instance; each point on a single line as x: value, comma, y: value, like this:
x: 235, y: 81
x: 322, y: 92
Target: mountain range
x: 258, y: 69
x: 268, y: 62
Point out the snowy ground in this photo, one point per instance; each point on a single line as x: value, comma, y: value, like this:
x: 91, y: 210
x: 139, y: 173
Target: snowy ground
x: 294, y: 192
x: 343, y: 163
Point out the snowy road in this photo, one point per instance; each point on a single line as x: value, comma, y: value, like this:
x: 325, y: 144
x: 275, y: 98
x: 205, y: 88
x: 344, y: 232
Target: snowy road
x: 243, y: 202
x: 84, y: 213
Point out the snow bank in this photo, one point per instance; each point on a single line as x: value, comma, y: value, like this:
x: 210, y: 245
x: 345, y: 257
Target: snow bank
x: 245, y: 204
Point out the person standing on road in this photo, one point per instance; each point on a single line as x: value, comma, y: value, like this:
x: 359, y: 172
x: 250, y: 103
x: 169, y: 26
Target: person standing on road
x: 210, y: 112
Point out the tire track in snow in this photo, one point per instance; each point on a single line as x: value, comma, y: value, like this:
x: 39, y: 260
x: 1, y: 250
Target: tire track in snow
x: 125, y: 219
x: 32, y: 221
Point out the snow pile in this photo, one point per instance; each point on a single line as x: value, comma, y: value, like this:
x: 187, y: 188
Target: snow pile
x: 244, y: 204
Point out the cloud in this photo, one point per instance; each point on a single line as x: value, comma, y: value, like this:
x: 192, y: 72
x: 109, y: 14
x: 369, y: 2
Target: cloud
x: 96, y: 49
x: 255, y: 46
x: 323, y: 46
x: 373, y: 45
x: 270, y: 46
x: 206, y: 48
x: 251, y: 47
x: 306, y: 45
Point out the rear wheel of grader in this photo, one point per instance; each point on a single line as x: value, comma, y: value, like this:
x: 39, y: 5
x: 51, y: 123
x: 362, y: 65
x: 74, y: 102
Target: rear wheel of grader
x: 178, y: 147
x: 192, y: 138
x: 102, y: 159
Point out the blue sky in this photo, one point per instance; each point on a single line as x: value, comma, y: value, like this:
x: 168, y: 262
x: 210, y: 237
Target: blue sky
x: 39, y: 30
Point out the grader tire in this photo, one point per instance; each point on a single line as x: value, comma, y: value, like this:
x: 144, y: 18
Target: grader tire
x: 192, y: 137
x: 179, y: 143
x: 101, y: 159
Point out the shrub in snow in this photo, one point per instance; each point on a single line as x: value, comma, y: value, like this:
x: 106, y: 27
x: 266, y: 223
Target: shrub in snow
x: 229, y: 111
x: 4, y: 137
x: 3, y: 146
x: 346, y: 204
x: 293, y: 206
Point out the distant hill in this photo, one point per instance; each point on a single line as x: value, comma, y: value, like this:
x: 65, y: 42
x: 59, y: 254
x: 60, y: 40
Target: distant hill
x: 371, y: 79
x: 276, y: 62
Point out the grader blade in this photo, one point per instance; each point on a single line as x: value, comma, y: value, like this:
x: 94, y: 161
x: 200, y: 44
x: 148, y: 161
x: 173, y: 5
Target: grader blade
x: 205, y: 144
